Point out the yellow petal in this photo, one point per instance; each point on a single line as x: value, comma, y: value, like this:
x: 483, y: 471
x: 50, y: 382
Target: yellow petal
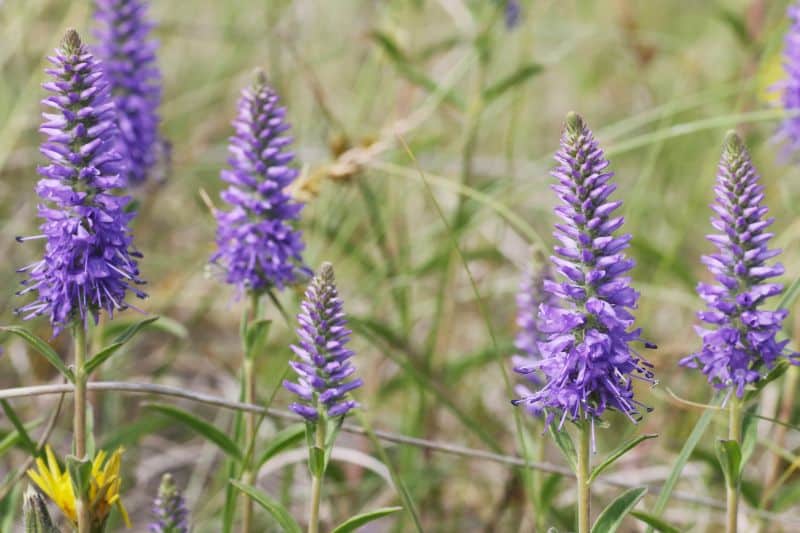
x: 51, y: 461
x: 124, y: 514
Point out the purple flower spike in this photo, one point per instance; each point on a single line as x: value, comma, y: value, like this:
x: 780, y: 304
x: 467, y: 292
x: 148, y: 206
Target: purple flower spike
x: 257, y: 245
x: 739, y: 344
x: 789, y: 130
x: 529, y: 333
x: 129, y: 63
x: 586, y: 355
x: 169, y: 509
x: 89, y: 264
x: 323, y: 361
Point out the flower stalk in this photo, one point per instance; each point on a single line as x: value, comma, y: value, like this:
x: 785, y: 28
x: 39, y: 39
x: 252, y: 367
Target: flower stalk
x: 732, y: 489
x: 316, y: 478
x: 79, y: 420
x: 249, y: 395
x: 582, y: 474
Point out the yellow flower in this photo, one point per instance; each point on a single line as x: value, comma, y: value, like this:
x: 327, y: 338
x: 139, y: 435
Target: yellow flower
x: 103, y: 489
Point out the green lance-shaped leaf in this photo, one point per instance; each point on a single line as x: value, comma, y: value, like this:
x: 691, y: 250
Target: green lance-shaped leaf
x: 43, y: 348
x: 316, y: 461
x: 407, y: 70
x: 283, y: 440
x: 683, y: 458
x: 80, y: 473
x: 13, y: 438
x: 654, y: 522
x: 567, y: 447
x: 519, y: 76
x: 786, y: 497
x: 24, y: 439
x: 612, y: 516
x: 777, y: 371
x: 201, y: 427
x: 255, y: 338
x: 164, y: 324
x: 619, y: 452
x: 729, y: 455
x: 103, y: 355
x: 749, y: 436
x: 274, y: 508
x: 352, y: 524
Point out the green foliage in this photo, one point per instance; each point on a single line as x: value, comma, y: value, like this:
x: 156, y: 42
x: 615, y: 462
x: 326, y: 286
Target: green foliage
x: 611, y: 517
x: 355, y: 522
x: 281, y: 441
x: 103, y: 355
x: 683, y: 457
x: 42, y: 348
x: 654, y: 522
x: 729, y: 455
x: 274, y: 508
x: 565, y: 444
x: 624, y: 448
x: 201, y: 427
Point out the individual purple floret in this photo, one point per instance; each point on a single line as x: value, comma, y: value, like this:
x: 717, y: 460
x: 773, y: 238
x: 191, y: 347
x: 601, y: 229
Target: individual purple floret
x: 512, y: 14
x: 257, y: 244
x: 169, y: 509
x: 128, y: 57
x: 789, y: 130
x: 89, y: 264
x: 530, y: 296
x: 586, y: 357
x: 323, y: 365
x: 739, y: 344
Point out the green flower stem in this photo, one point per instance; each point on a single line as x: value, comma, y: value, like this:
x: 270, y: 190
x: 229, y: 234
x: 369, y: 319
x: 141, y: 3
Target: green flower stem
x: 249, y: 396
x: 79, y: 419
x: 316, y: 480
x: 732, y: 490
x: 582, y: 474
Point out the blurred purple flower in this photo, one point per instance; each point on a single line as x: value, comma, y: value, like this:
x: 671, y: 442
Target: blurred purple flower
x: 169, y: 509
x: 789, y: 130
x: 586, y: 355
x: 257, y: 244
x: 530, y: 296
x: 128, y: 57
x: 513, y: 13
x: 323, y: 361
x: 740, y: 343
x: 89, y: 263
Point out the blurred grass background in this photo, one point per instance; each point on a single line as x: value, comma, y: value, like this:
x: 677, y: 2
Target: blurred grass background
x: 659, y: 82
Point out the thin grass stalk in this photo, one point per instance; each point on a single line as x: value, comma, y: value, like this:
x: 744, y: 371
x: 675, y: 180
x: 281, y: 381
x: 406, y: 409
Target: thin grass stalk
x: 582, y: 475
x: 732, y: 489
x: 79, y: 419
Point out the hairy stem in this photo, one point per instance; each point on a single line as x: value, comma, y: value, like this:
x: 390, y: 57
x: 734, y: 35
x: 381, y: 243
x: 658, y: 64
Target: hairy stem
x: 316, y: 481
x: 582, y: 475
x: 732, y: 490
x: 249, y: 396
x: 79, y: 419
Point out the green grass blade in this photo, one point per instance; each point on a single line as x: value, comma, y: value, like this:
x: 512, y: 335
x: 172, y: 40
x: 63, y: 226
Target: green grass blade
x: 199, y: 426
x: 42, y: 347
x: 680, y: 462
x: 274, y: 508
x: 352, y: 524
x: 613, y: 515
